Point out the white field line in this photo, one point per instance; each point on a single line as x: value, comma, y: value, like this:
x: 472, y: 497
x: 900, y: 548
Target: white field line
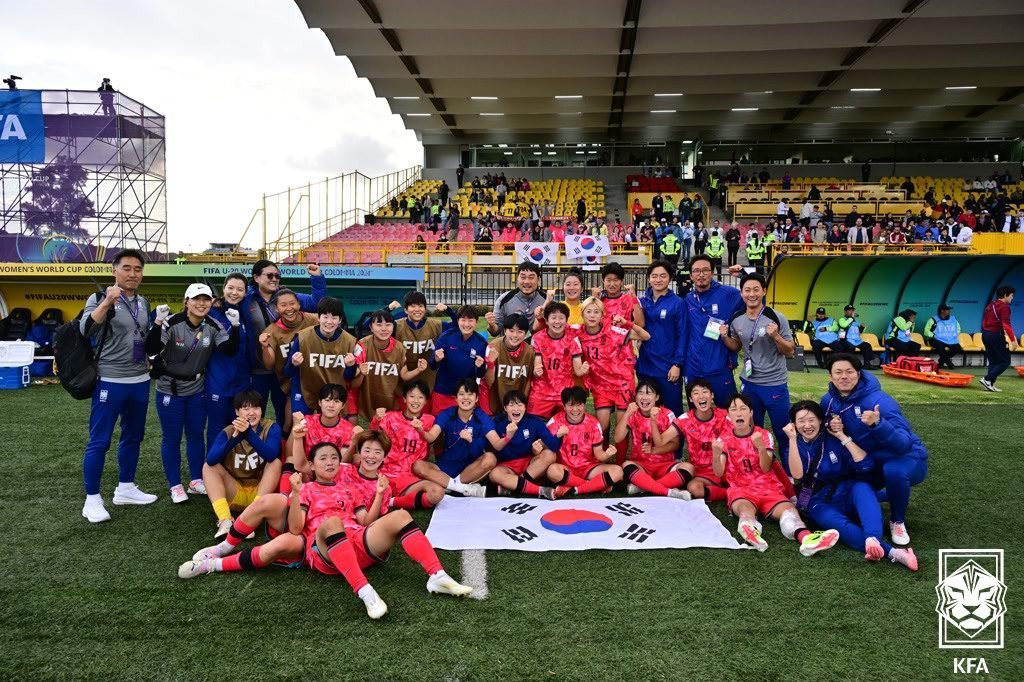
x: 474, y: 572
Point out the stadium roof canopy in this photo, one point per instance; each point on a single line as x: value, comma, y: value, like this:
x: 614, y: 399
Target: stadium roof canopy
x: 649, y: 70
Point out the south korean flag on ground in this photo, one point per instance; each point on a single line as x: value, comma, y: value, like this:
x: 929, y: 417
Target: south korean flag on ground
x: 534, y: 525
x: 540, y: 253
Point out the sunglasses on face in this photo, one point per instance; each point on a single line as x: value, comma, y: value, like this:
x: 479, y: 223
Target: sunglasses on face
x: 272, y: 275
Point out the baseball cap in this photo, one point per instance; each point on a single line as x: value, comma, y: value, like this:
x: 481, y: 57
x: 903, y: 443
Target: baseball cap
x: 198, y: 289
x: 850, y: 307
x: 820, y: 310
x: 944, y: 307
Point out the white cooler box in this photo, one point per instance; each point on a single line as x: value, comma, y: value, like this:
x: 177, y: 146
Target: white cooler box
x: 15, y: 358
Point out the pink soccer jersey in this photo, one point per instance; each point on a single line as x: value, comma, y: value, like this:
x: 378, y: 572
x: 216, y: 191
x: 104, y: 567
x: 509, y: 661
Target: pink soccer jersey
x: 577, y: 451
x: 322, y: 501
x: 340, y: 434
x: 557, y: 355
x: 640, y: 435
x: 408, y: 445
x: 363, y: 489
x: 700, y: 434
x: 743, y: 464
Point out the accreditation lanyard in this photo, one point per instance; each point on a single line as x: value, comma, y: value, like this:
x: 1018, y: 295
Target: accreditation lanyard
x: 829, y: 413
x: 807, y: 482
x: 138, y: 342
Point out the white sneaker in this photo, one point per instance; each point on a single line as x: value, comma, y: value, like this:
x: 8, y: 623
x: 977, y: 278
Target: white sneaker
x: 442, y: 583
x: 211, y: 552
x: 178, y: 495
x: 375, y: 606
x: 191, y: 569
x: 679, y: 494
x: 196, y: 487
x: 752, y: 536
x: 989, y: 386
x: 899, y: 534
x: 95, y: 512
x: 546, y: 493
x: 474, y: 490
x: 633, y: 490
x: 223, y: 528
x: 129, y: 493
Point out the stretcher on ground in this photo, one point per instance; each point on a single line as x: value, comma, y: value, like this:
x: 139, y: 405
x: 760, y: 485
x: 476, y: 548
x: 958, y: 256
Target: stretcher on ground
x: 925, y: 370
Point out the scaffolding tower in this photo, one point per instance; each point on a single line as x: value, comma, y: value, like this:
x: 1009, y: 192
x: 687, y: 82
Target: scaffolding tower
x: 96, y: 184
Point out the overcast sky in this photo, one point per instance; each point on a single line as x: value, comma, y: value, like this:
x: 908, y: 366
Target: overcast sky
x: 254, y: 100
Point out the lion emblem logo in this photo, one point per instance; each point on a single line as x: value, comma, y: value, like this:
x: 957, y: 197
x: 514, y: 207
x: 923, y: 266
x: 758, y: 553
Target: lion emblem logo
x: 971, y: 599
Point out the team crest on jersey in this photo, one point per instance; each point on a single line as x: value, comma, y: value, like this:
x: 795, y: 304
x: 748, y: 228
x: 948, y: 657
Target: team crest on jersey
x: 526, y: 433
x: 663, y: 313
x: 832, y: 457
x: 214, y: 398
x: 206, y: 342
x: 857, y: 410
x: 714, y: 308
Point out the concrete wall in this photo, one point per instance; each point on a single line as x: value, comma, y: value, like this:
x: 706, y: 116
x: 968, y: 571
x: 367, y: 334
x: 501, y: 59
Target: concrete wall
x: 608, y: 174
x: 879, y: 170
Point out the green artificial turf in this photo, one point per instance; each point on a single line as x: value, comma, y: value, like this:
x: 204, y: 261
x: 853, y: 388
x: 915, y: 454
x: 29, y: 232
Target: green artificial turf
x: 103, y: 601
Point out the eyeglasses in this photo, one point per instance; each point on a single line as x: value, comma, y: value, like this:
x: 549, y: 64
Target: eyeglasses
x: 272, y: 275
x: 700, y: 271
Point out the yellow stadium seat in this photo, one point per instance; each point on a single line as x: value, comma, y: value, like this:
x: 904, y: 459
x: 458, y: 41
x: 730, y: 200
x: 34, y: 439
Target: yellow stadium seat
x: 803, y: 339
x: 873, y: 340
x: 966, y: 342
x: 978, y: 343
x: 919, y: 340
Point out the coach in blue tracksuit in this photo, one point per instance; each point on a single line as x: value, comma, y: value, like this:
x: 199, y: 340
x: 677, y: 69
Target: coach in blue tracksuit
x: 874, y: 420
x: 260, y: 312
x: 227, y: 375
x: 119, y: 319
x: 709, y: 305
x: 662, y: 358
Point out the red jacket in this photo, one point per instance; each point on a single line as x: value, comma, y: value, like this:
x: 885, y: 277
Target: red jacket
x: 997, y: 318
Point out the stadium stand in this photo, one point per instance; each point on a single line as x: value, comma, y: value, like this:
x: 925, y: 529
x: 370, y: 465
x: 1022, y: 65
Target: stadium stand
x: 556, y: 197
x: 415, y: 191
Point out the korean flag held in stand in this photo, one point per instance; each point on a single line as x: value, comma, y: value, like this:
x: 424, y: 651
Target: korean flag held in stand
x: 540, y: 253
x: 583, y: 246
x: 533, y: 525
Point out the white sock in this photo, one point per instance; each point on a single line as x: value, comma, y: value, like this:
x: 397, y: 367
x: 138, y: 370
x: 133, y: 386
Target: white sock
x: 123, y: 486
x: 94, y: 499
x: 455, y: 485
x: 365, y: 592
x: 218, y: 565
x: 898, y: 555
x: 224, y: 547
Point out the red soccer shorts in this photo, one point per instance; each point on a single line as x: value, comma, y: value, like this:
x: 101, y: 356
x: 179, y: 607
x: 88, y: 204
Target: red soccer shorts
x: 485, y: 400
x: 402, y: 482
x: 708, y: 474
x: 656, y: 469
x: 322, y: 564
x: 545, y: 408
x: 518, y: 466
x: 764, y: 500
x: 352, y: 405
x: 439, y: 402
x: 618, y: 398
x: 583, y: 471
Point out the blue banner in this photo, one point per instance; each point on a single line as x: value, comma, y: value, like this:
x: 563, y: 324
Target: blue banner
x: 22, y: 136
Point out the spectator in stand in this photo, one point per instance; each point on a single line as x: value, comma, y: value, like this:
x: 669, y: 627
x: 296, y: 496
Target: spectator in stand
x: 732, y: 243
x: 897, y: 236
x: 805, y: 213
x: 995, y: 331
x: 787, y: 181
x: 442, y: 192
x: 942, y: 332
x: 637, y: 211
x: 501, y: 190
x: 851, y: 217
x: 967, y: 217
x: 984, y: 222
x: 685, y: 208
x: 657, y: 207
x: 908, y: 187
x: 816, y: 218
x: 781, y: 209
x: 865, y: 171
x: 581, y: 210
x: 814, y: 194
x: 944, y: 237
x: 763, y: 177
x: 859, y: 234
x: 834, y: 236
x: 898, y: 340
x: 698, y: 207
x: 700, y: 239
x: 849, y: 339
x: 686, y: 239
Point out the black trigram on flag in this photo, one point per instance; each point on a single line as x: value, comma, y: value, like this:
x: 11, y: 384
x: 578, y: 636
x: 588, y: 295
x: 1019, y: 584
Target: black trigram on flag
x: 519, y: 508
x: 637, y: 533
x: 625, y: 509
x: 520, y: 534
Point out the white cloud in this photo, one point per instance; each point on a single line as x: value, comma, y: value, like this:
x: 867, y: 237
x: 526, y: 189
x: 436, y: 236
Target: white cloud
x: 254, y: 100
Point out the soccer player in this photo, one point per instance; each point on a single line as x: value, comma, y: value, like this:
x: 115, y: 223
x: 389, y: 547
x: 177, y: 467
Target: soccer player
x: 584, y: 465
x: 259, y: 307
x: 607, y: 345
x: 528, y: 451
x: 875, y: 422
x: 700, y: 426
x: 827, y: 464
x: 275, y: 341
x: 328, y: 425
x: 766, y: 340
x: 419, y: 333
x: 468, y: 432
x: 183, y: 345
x: 709, y: 305
x: 743, y: 455
x: 342, y: 539
x: 558, y: 360
x: 459, y: 353
x: 651, y: 467
x: 509, y: 365
x: 321, y: 355
x: 616, y: 299
x: 227, y: 375
x: 244, y: 462
x: 118, y: 319
x: 381, y: 362
x: 661, y: 358
x: 407, y: 431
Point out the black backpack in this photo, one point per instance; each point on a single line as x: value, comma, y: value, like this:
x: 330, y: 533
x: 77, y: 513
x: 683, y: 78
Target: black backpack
x: 74, y: 361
